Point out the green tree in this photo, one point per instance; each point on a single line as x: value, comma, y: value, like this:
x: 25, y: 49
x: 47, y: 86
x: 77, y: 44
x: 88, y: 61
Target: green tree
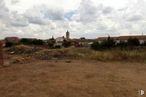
x: 95, y: 45
x: 66, y: 43
x: 107, y: 44
x: 133, y: 42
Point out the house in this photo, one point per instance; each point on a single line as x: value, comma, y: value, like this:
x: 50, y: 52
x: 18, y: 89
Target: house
x: 14, y: 40
x: 141, y: 38
x: 82, y: 42
x: 59, y: 41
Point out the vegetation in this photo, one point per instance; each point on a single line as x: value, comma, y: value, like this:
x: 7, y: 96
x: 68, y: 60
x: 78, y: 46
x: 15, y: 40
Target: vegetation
x: 9, y: 44
x: 137, y: 55
x: 109, y: 43
x: 106, y: 44
x: 32, y: 42
x: 133, y: 42
x: 66, y: 43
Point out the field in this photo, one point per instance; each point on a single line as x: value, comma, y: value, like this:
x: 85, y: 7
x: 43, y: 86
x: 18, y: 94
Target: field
x: 24, y: 76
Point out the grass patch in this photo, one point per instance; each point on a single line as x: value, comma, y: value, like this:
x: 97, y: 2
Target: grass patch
x: 81, y: 53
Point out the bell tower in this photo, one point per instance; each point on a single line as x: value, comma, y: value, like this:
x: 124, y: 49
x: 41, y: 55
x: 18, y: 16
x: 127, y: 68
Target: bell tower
x: 67, y: 35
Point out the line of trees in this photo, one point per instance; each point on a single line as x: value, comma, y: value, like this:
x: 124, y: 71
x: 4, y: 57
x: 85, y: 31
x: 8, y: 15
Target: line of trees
x: 32, y: 42
x: 111, y: 43
x: 38, y: 42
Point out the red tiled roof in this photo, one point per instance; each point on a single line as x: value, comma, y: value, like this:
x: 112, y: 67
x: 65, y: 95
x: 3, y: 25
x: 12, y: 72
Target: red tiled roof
x: 140, y: 37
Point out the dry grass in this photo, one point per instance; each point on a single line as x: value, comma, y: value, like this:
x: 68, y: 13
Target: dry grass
x: 79, y: 53
x: 75, y: 75
x: 78, y: 78
x: 132, y: 56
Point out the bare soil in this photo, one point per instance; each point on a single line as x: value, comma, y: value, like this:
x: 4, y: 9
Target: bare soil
x: 72, y: 78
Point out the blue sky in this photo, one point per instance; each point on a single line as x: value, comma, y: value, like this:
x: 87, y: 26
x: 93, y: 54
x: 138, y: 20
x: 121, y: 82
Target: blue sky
x: 88, y: 18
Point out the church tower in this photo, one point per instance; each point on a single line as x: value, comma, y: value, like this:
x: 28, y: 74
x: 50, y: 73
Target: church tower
x: 67, y: 35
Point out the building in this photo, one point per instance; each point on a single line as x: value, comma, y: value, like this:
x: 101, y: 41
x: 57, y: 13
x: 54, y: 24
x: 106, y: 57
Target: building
x: 82, y: 42
x: 59, y: 41
x: 67, y: 35
x: 141, y: 38
x: 14, y: 40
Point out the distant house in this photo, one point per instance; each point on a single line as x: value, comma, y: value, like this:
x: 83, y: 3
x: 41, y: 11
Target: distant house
x: 141, y: 38
x: 59, y: 41
x: 14, y: 40
x: 82, y: 42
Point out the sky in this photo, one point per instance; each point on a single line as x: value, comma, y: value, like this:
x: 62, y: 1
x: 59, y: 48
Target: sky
x: 83, y: 18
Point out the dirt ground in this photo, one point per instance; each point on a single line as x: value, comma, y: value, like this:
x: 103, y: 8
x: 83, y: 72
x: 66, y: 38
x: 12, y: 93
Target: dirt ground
x: 72, y: 78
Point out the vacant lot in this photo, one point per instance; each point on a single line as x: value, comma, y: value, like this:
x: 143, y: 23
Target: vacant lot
x: 72, y: 78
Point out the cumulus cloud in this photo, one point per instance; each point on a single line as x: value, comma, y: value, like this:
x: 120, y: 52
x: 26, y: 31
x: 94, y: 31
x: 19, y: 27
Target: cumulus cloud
x: 89, y: 18
x: 14, y: 1
x: 19, y: 21
x: 42, y: 14
x: 135, y: 18
x: 87, y: 12
x: 4, y: 12
x: 107, y: 10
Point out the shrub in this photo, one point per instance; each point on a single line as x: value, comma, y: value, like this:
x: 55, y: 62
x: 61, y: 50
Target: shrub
x: 96, y: 46
x: 9, y: 44
x: 106, y: 44
x: 133, y: 42
x: 32, y: 41
x: 66, y: 43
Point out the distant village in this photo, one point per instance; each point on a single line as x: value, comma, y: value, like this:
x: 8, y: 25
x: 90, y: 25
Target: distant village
x: 66, y: 41
x: 52, y: 42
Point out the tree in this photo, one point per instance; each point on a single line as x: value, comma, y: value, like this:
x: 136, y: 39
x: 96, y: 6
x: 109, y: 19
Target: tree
x: 95, y: 45
x: 133, y: 42
x: 122, y: 44
x: 109, y: 43
x: 32, y: 41
x: 37, y: 42
x: 66, y: 43
x: 25, y: 41
x: 51, y: 42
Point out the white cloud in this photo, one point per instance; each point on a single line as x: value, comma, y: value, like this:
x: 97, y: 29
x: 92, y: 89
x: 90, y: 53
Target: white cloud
x: 90, y: 18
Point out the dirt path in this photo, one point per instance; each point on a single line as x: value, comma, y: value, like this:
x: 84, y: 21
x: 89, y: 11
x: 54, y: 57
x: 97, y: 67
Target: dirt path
x: 75, y: 78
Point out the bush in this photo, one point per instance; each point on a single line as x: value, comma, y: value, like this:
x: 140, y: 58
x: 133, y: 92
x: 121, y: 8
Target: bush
x: 66, y: 43
x: 96, y: 46
x: 32, y: 41
x: 133, y: 42
x: 106, y: 44
x: 122, y: 44
x: 109, y: 43
x: 9, y: 44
